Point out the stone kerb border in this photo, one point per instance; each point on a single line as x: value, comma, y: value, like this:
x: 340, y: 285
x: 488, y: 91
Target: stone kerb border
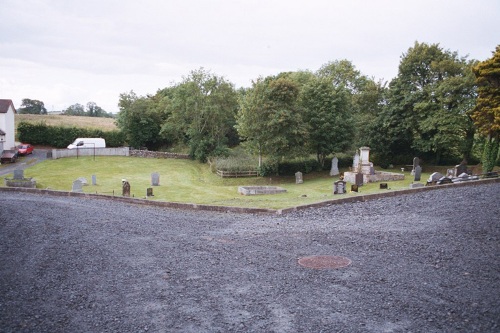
x: 243, y: 210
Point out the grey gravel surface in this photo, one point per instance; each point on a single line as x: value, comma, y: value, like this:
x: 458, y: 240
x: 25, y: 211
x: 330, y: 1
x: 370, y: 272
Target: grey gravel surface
x: 427, y: 262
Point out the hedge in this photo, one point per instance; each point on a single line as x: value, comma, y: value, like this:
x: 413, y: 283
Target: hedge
x: 61, y: 136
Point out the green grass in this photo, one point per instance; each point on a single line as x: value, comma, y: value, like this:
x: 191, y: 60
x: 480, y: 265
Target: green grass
x: 192, y: 182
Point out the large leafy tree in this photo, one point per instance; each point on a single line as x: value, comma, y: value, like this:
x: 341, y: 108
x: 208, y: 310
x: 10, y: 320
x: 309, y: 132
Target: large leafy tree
x: 486, y: 114
x: 327, y: 115
x: 270, y: 119
x: 139, y: 120
x: 202, y: 112
x: 75, y: 110
x: 427, y: 106
x: 32, y: 106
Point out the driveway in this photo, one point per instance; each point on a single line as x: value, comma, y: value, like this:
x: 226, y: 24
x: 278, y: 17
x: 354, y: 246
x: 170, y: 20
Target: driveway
x: 24, y: 162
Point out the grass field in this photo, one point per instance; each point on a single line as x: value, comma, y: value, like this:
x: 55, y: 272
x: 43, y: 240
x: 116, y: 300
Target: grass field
x: 106, y: 124
x: 191, y: 182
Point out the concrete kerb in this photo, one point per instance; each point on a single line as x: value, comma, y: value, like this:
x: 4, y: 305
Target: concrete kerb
x: 248, y: 210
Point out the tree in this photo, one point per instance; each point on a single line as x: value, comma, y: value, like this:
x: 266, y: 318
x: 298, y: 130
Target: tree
x: 486, y: 114
x: 330, y: 126
x: 427, y: 106
x: 270, y: 119
x: 32, y: 106
x: 75, y: 110
x: 139, y: 120
x: 202, y: 112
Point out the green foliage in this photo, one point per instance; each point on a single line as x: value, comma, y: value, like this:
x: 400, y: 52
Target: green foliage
x: 268, y: 169
x: 427, y: 106
x: 92, y: 110
x: 236, y: 162
x: 61, y: 137
x: 32, y: 106
x: 289, y: 168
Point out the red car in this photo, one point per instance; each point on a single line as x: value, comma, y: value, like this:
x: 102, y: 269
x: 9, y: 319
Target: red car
x: 25, y: 149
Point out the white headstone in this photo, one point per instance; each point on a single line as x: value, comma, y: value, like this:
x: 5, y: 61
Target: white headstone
x: 77, y: 186
x: 335, y: 167
x: 355, y: 162
x: 155, y: 179
x: 298, y: 178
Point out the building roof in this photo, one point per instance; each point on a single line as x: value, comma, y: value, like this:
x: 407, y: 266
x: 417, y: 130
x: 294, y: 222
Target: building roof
x: 4, y: 105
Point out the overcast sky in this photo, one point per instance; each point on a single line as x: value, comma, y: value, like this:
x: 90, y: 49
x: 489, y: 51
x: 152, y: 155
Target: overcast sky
x: 64, y: 52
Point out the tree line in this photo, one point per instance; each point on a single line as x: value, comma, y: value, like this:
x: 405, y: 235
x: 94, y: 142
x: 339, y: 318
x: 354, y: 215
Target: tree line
x: 433, y: 108
x: 34, y: 106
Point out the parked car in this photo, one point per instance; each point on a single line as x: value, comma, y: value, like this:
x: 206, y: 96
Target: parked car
x: 25, y: 149
x: 8, y: 156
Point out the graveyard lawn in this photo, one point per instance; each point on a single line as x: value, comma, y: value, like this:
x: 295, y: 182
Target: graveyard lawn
x: 188, y: 181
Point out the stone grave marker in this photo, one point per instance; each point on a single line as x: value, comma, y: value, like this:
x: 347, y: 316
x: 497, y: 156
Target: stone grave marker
x: 298, y: 178
x: 418, y: 173
x: 355, y: 162
x: 19, y: 174
x: 149, y: 192
x: 94, y: 180
x: 83, y: 180
x: 335, y: 167
x: 436, y: 176
x: 461, y: 168
x: 339, y: 187
x: 155, y: 179
x: 125, y: 188
x: 77, y: 186
x: 416, y: 162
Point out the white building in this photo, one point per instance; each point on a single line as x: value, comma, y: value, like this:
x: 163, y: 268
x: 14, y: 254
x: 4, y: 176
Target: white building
x: 7, y: 124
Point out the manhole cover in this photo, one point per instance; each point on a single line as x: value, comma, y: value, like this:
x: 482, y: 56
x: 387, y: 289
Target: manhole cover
x: 319, y: 262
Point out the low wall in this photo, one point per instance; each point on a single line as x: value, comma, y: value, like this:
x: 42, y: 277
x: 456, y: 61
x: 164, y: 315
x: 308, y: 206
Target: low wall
x: 157, y: 154
x: 61, y: 153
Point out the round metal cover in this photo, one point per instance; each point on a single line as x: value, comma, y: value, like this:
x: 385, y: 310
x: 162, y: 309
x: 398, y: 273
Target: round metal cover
x: 322, y: 262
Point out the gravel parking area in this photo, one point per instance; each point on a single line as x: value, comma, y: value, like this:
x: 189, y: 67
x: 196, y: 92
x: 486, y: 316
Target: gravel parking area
x: 427, y: 262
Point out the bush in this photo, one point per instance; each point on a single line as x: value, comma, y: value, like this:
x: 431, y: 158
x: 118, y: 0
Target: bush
x: 61, y: 137
x: 289, y: 168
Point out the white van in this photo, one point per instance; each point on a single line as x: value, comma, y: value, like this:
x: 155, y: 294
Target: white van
x: 88, y: 143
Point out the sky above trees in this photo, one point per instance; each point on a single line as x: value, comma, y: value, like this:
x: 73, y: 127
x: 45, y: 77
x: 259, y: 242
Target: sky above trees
x: 68, y: 52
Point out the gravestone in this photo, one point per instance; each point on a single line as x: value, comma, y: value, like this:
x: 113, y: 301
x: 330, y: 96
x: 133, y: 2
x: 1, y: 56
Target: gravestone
x: 19, y: 174
x: 149, y: 192
x: 355, y: 162
x: 94, y: 180
x: 434, y: 177
x: 416, y: 185
x: 383, y: 186
x: 155, y: 179
x: 83, y: 180
x: 461, y: 168
x: 354, y: 188
x: 339, y: 187
x: 298, y: 178
x: 77, y: 186
x: 335, y: 167
x: 418, y: 173
x: 450, y: 173
x: 125, y: 188
x: 372, y: 169
x: 358, y: 179
x: 416, y: 162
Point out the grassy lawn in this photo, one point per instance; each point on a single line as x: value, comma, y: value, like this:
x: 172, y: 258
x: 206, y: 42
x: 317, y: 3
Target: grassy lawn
x: 192, y: 182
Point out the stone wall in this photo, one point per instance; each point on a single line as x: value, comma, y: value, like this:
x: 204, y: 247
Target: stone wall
x: 156, y: 154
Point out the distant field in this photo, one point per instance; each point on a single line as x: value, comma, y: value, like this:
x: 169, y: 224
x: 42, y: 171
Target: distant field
x: 106, y: 124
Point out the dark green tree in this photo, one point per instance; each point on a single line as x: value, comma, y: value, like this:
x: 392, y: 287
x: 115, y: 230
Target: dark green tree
x: 202, y: 111
x: 32, y: 106
x: 486, y: 114
x: 75, y: 110
x: 427, y: 106
x: 326, y: 113
x: 270, y: 120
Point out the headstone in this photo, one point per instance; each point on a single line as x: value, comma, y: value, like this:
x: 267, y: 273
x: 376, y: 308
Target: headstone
x: 416, y: 163
x: 358, y: 179
x: 354, y: 188
x: 418, y: 173
x: 416, y: 185
x: 339, y: 187
x: 149, y: 192
x: 434, y: 177
x: 298, y: 178
x: 155, y: 179
x: 94, y: 180
x: 125, y: 188
x: 450, y: 173
x: 383, y: 186
x: 19, y: 174
x: 335, y: 167
x: 459, y: 169
x: 355, y: 162
x: 372, y: 169
x: 77, y: 186
x: 83, y: 180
